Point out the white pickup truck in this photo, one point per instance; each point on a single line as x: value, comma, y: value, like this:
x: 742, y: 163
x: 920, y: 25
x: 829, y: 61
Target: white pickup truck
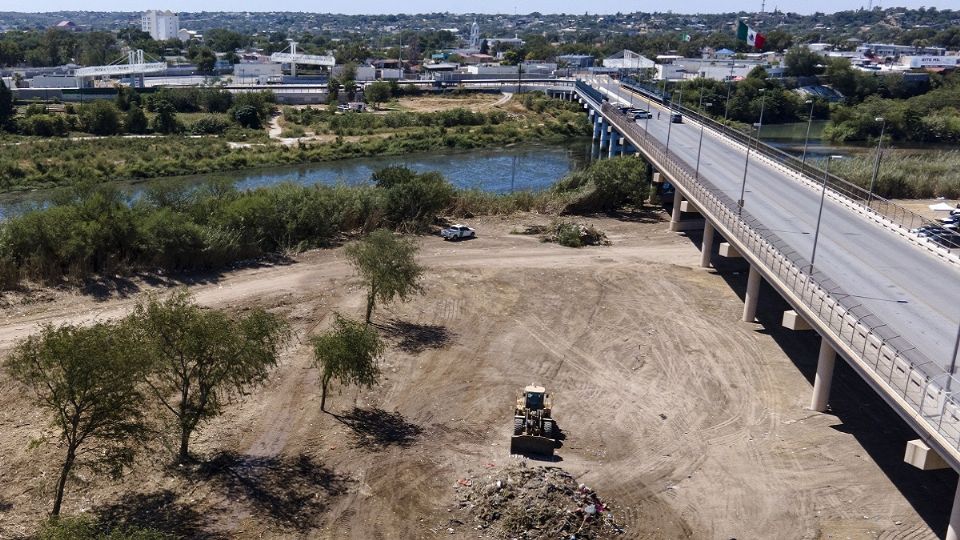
x: 457, y: 232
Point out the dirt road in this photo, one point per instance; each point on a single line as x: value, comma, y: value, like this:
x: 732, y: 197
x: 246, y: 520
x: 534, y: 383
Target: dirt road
x: 691, y: 423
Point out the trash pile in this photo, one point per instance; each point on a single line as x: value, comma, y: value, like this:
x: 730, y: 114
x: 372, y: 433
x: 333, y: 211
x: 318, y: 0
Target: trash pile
x: 536, y: 503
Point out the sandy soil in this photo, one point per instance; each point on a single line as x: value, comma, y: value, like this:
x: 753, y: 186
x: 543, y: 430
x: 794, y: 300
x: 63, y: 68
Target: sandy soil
x: 691, y: 423
x: 473, y: 102
x: 922, y: 206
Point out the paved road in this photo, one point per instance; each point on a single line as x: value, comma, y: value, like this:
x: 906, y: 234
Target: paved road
x: 910, y: 290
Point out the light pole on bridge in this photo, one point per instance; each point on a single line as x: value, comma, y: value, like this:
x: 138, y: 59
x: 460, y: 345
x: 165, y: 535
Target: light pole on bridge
x: 876, y: 163
x: 746, y: 162
x: 700, y: 144
x: 823, y: 196
x: 803, y: 160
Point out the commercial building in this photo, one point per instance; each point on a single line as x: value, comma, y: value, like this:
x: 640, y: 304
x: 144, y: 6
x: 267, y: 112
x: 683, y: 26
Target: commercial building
x: 922, y: 62
x: 577, y: 60
x: 626, y: 59
x: 895, y: 51
x: 257, y: 72
x: 161, y: 25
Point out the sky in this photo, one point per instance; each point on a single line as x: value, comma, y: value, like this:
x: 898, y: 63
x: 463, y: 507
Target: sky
x: 485, y: 6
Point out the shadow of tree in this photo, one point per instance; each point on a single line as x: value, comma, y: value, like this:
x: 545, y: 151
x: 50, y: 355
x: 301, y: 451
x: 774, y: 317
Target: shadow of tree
x: 291, y: 491
x: 159, y: 511
x: 376, y: 428
x: 415, y: 338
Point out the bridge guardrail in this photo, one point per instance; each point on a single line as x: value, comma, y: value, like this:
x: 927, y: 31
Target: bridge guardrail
x: 889, y: 210
x: 909, y: 374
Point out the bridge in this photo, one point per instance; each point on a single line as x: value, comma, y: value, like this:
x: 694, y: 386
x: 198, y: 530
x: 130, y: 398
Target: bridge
x: 885, y: 300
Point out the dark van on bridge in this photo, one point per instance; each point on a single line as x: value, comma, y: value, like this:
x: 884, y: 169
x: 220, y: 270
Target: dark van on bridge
x: 676, y: 118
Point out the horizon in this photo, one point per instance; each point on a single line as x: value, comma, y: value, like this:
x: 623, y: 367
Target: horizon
x: 498, y: 7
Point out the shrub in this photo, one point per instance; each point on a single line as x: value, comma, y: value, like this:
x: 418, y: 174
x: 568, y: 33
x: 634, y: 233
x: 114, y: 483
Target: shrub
x: 100, y: 118
x: 210, y: 124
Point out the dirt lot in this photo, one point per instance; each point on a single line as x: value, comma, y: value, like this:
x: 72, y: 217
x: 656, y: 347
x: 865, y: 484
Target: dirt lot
x: 690, y: 423
x: 473, y: 102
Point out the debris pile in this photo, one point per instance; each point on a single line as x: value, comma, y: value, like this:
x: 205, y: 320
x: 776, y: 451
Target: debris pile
x: 575, y: 235
x: 537, y: 503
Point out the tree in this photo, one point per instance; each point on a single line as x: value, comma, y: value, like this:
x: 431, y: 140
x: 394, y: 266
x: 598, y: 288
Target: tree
x: 100, y: 118
x: 88, y: 378
x: 413, y: 200
x: 247, y: 116
x: 349, y: 354
x: 166, y: 119
x: 205, y: 59
x: 802, y: 62
x: 199, y: 357
x: 386, y: 264
x: 377, y: 92
x: 136, y: 120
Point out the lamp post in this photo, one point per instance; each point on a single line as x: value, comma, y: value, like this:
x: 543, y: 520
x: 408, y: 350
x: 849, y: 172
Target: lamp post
x: 803, y: 160
x: 726, y: 110
x: 746, y: 162
x: 876, y: 163
x: 823, y: 195
x: 669, y: 121
x: 700, y: 144
x: 953, y: 360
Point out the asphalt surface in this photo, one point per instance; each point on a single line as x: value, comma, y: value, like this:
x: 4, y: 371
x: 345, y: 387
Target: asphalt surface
x: 915, y: 293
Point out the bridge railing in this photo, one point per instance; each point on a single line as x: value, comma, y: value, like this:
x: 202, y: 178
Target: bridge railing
x: 922, y: 384
x: 889, y: 210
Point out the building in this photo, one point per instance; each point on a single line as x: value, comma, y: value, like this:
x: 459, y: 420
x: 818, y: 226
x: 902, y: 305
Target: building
x: 628, y: 60
x: 161, y: 25
x: 257, y: 72
x: 923, y: 62
x: 186, y: 35
x: 578, y: 61
x: 896, y: 51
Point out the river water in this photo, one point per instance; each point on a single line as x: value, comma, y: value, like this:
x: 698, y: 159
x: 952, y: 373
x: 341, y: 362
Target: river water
x: 525, y: 167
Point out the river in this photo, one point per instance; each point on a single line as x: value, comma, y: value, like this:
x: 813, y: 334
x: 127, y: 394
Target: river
x: 526, y: 167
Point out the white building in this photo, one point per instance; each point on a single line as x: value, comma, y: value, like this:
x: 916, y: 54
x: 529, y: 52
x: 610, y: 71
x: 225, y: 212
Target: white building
x: 919, y: 62
x: 186, y: 35
x: 256, y: 72
x: 161, y: 25
x: 628, y: 60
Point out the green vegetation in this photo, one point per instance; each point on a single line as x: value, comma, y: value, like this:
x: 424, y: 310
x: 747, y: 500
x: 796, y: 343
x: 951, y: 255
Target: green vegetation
x: 347, y: 353
x: 87, y: 379
x: 87, y: 528
x: 199, y: 358
x: 905, y: 174
x: 575, y: 235
x: 49, y: 163
x: 386, y: 264
x: 930, y: 117
x: 94, y: 230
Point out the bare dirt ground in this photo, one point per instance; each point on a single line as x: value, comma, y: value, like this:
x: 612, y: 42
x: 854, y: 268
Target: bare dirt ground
x: 922, y: 206
x: 690, y: 423
x: 473, y: 102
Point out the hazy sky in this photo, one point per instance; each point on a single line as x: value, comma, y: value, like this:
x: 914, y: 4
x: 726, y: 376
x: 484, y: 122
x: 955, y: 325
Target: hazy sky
x: 485, y: 6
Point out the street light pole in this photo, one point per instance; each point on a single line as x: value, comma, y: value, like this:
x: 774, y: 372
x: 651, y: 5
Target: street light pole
x: 876, y: 163
x: 746, y: 162
x: 953, y: 360
x: 669, y: 120
x: 803, y: 160
x: 700, y: 144
x: 726, y: 110
x: 823, y: 196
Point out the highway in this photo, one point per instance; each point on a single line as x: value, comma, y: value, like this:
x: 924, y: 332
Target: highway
x: 915, y: 293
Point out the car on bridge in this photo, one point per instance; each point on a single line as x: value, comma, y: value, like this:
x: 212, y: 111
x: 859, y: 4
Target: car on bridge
x: 676, y: 118
x: 642, y: 115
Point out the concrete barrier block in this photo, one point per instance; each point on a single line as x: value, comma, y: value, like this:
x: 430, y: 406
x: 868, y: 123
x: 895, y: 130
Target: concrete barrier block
x: 687, y: 206
x: 727, y: 250
x: 923, y: 457
x: 794, y: 321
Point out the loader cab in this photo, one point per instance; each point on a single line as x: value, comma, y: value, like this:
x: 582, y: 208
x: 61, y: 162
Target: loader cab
x: 534, y: 397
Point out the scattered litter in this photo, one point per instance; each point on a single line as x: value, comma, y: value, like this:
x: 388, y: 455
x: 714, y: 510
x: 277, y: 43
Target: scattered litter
x: 538, y: 503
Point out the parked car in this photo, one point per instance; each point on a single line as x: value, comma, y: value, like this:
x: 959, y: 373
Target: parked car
x: 458, y: 232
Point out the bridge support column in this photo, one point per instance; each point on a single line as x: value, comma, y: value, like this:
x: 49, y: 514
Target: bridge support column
x: 675, y: 215
x: 706, y: 247
x: 615, y: 147
x: 655, y: 187
x: 604, y: 134
x: 597, y: 126
x: 821, y: 384
x: 953, y: 529
x: 753, y: 293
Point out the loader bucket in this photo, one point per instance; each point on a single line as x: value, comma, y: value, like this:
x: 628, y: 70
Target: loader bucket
x: 531, y: 444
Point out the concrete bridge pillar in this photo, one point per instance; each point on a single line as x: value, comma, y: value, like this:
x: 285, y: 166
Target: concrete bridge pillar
x: 821, y: 384
x: 706, y: 247
x: 615, y: 147
x: 655, y: 188
x: 675, y: 215
x: 953, y: 528
x: 753, y: 293
x: 604, y: 134
x: 597, y: 125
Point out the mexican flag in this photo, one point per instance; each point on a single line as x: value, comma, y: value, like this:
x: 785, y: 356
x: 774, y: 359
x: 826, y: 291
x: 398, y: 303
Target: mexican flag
x: 751, y: 36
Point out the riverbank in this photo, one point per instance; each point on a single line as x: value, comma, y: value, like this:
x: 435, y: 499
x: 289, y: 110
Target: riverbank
x: 34, y: 164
